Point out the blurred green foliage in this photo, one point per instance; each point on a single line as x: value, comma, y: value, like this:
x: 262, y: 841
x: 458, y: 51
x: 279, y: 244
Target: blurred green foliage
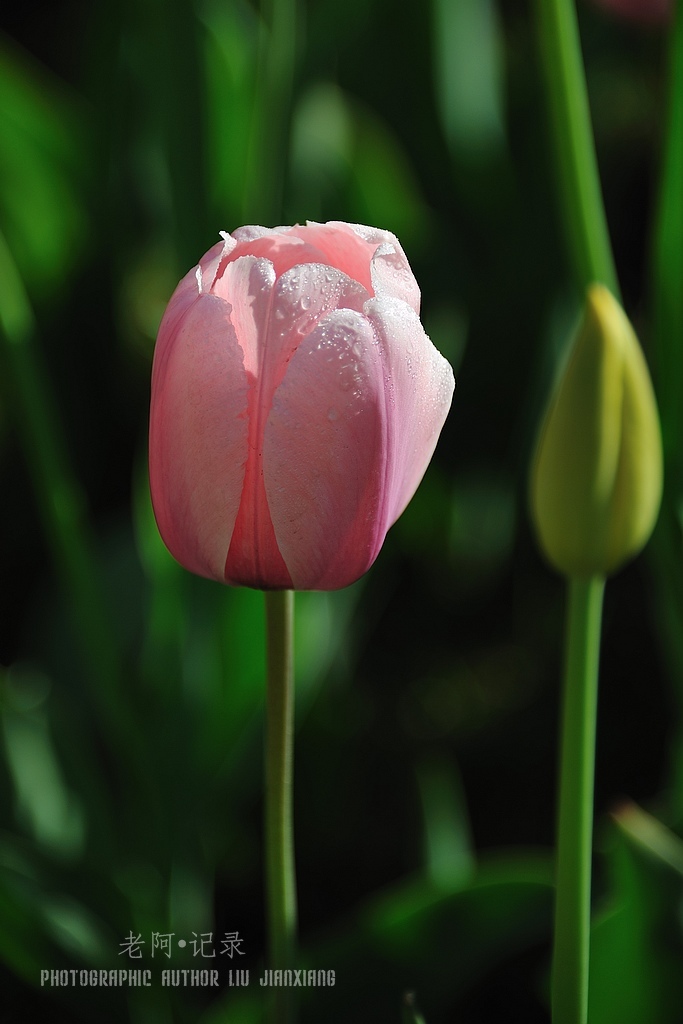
x: 131, y: 694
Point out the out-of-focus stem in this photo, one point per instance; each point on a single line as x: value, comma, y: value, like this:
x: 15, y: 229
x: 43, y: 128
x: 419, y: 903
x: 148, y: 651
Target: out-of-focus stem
x: 579, y: 180
x: 668, y: 267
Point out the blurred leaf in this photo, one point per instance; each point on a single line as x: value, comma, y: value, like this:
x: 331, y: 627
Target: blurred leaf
x: 449, y: 855
x: 321, y: 148
x: 75, y: 929
x: 384, y: 188
x: 230, y: 43
x: 42, y: 153
x: 419, y: 935
x: 323, y: 621
x: 411, y: 1014
x: 468, y: 72
x: 44, y: 804
x: 342, y: 152
x: 650, y: 835
x: 190, y: 901
x: 637, y: 942
x: 24, y: 947
x: 437, y: 941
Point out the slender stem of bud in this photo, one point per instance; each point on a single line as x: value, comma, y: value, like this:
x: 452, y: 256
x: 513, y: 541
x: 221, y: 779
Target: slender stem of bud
x: 579, y: 180
x: 575, y: 825
x: 280, y: 872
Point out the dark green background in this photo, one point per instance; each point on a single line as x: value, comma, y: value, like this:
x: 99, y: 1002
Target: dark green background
x: 131, y: 779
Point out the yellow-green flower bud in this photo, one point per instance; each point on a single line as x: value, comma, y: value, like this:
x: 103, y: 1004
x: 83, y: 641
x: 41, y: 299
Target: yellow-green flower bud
x: 596, y: 480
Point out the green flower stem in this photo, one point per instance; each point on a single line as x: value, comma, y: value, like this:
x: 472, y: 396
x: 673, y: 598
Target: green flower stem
x: 579, y: 181
x: 575, y: 828
x: 280, y: 873
x: 60, y: 499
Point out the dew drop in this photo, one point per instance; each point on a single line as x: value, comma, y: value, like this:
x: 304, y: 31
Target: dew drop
x: 332, y: 414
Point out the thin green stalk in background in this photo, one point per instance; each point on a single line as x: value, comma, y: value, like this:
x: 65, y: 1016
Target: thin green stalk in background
x: 589, y: 241
x: 575, y: 820
x: 667, y: 316
x: 59, y: 497
x: 668, y: 265
x: 280, y: 872
x: 581, y: 195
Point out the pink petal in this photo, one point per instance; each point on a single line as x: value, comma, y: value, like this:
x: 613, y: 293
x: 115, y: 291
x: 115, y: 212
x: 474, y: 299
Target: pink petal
x: 252, y: 231
x: 271, y: 317
x: 247, y: 285
x: 270, y: 333
x: 253, y: 558
x: 284, y: 249
x: 369, y: 255
x: 392, y: 277
x: 302, y: 296
x: 341, y: 247
x: 198, y: 433
x: 324, y: 452
x: 211, y: 262
x: 420, y: 387
x: 390, y: 271
x: 197, y: 280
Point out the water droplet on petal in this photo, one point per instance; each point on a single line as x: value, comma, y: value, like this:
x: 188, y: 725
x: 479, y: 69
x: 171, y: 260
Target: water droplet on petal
x: 332, y: 414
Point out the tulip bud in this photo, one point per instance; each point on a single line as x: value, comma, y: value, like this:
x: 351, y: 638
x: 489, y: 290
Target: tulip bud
x: 596, y: 479
x: 296, y: 403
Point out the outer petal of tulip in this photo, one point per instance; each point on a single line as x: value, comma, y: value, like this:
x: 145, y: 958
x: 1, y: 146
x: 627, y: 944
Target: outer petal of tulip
x: 300, y: 298
x: 198, y: 432
x: 369, y: 255
x: 324, y: 454
x: 351, y: 432
x: 420, y: 393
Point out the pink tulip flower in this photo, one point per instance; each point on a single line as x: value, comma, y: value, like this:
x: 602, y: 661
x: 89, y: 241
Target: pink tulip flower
x: 296, y: 403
